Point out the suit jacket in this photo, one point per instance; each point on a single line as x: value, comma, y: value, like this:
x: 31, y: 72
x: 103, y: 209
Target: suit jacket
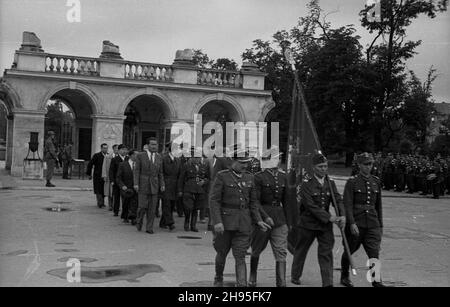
x: 114, y: 167
x: 125, y: 175
x: 171, y: 172
x: 315, y: 205
x: 148, y: 175
x: 97, y: 163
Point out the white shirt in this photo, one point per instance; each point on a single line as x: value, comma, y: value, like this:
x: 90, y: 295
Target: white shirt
x: 131, y: 164
x: 151, y: 156
x: 171, y: 156
x: 122, y: 157
x: 321, y: 180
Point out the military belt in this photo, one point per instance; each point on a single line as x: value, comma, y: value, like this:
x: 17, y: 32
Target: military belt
x: 364, y: 206
x: 234, y: 206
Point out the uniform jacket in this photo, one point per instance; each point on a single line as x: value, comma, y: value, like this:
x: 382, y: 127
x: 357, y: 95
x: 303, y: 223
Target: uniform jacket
x: 315, y: 204
x: 50, y: 150
x: 192, y: 172
x: 270, y: 190
x: 233, y: 201
x: 171, y: 172
x: 362, y: 200
x: 148, y: 175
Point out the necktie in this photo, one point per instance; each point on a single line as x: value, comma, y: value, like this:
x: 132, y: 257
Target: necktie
x: 153, y: 157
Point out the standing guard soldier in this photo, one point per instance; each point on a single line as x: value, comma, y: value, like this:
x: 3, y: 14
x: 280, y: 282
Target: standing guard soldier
x: 270, y: 189
x: 233, y: 207
x: 316, y: 222
x: 193, y: 187
x: 362, y: 200
x: 50, y: 157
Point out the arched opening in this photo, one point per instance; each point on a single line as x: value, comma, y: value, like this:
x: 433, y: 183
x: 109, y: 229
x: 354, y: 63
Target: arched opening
x: 146, y: 116
x: 219, y: 111
x: 69, y: 116
x: 3, y: 133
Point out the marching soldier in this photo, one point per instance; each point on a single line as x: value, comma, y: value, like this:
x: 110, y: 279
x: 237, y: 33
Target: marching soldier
x: 233, y: 207
x: 270, y: 189
x: 362, y: 200
x: 317, y: 223
x: 193, y: 187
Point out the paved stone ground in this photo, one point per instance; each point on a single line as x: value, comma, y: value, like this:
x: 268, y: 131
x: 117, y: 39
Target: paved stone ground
x: 34, y: 242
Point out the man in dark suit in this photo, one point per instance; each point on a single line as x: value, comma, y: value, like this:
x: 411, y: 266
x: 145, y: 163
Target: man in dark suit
x: 125, y: 181
x: 171, y: 171
x: 97, y: 163
x: 113, y: 168
x: 316, y: 222
x: 148, y: 181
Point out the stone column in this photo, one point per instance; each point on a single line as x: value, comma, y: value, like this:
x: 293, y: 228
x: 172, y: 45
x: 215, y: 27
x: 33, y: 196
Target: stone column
x: 106, y: 129
x: 25, y: 122
x: 9, y: 141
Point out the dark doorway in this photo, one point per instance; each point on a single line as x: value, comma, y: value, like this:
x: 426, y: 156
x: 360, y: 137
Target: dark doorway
x: 84, y: 149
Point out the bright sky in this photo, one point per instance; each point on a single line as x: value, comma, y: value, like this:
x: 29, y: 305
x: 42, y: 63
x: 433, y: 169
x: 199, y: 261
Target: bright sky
x: 152, y: 30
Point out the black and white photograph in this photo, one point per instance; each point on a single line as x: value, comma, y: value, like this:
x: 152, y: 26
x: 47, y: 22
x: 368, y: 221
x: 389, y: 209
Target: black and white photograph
x: 205, y: 144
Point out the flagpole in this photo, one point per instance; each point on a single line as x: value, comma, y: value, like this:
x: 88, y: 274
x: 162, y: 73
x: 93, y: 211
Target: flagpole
x: 289, y: 57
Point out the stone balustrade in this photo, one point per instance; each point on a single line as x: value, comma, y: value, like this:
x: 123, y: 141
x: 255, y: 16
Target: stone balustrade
x: 222, y: 78
x: 148, y: 71
x: 66, y: 64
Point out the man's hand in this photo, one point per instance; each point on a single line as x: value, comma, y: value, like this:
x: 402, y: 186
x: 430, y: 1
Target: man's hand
x: 341, y: 222
x: 219, y: 229
x: 264, y: 227
x: 124, y: 188
x: 201, y: 183
x: 354, y: 230
x: 163, y: 188
x: 334, y: 219
x: 180, y: 194
x: 269, y: 221
x: 136, y: 187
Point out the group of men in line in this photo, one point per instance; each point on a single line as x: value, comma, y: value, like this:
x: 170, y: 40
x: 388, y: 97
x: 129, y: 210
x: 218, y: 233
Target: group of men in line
x: 56, y: 156
x: 413, y: 173
x: 246, y: 205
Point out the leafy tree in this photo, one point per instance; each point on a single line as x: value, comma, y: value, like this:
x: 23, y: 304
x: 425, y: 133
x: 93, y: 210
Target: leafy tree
x: 387, y: 54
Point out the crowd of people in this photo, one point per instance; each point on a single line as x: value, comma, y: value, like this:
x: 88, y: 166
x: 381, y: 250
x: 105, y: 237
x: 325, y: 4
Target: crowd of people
x: 426, y: 175
x: 244, y: 205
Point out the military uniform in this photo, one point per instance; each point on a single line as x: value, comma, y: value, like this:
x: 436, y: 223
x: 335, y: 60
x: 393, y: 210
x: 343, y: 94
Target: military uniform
x: 50, y: 157
x: 270, y: 187
x: 234, y: 204
x: 315, y: 224
x: 193, y: 173
x: 362, y: 200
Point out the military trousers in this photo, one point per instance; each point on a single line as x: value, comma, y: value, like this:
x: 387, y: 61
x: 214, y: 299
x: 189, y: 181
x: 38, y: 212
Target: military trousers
x: 236, y: 240
x: 50, y: 169
x: 278, y: 241
x: 369, y: 238
x: 325, y: 239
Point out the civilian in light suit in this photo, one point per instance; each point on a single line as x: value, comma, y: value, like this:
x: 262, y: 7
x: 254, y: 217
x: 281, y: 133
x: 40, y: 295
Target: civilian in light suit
x: 148, y: 181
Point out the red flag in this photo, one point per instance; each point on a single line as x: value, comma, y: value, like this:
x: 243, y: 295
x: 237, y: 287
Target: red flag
x: 302, y: 143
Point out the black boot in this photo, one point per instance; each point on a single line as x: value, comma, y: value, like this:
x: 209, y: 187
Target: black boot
x: 345, y: 279
x: 49, y: 184
x: 378, y: 284
x: 187, y: 216
x: 280, y: 271
x: 253, y: 271
x: 241, y: 274
x: 194, y: 220
x: 218, y: 279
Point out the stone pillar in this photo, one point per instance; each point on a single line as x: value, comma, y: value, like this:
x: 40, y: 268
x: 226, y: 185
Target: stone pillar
x: 106, y: 129
x: 25, y: 121
x: 184, y: 70
x: 253, y: 78
x: 9, y: 141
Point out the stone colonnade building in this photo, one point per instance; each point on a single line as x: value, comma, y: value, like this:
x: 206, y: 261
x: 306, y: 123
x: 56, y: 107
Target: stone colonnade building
x: 117, y: 101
